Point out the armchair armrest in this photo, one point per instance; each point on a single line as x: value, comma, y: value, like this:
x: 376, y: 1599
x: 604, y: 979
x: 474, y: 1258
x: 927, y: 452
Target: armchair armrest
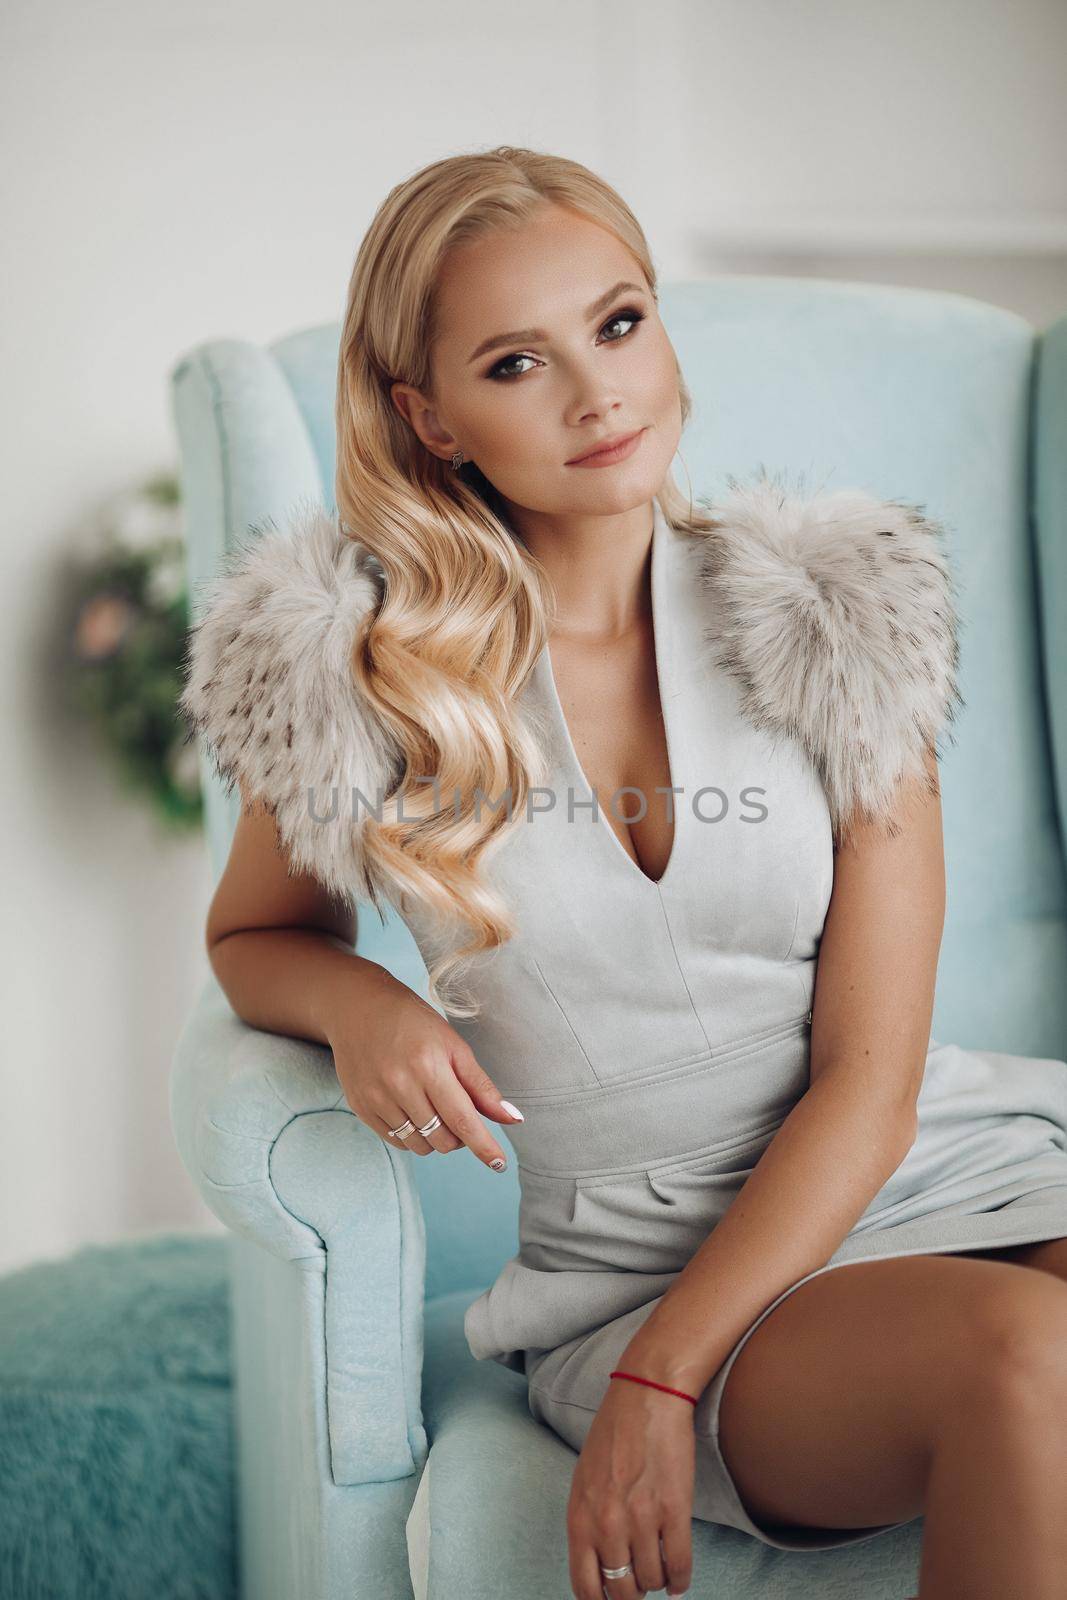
x: 264, y: 1130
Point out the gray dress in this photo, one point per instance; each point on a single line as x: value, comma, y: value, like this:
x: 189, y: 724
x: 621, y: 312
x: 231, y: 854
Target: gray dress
x: 656, y: 1035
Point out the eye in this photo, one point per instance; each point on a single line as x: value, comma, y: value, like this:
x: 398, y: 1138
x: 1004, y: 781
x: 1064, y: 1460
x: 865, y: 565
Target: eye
x: 629, y: 314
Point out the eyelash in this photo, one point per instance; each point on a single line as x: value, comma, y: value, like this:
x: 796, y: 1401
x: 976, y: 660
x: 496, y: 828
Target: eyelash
x: 628, y: 314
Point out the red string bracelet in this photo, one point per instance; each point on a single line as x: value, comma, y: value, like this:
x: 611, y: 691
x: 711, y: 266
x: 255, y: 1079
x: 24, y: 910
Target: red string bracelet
x: 653, y: 1385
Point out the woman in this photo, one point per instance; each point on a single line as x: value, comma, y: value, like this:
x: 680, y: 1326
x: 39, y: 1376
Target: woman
x: 707, y: 1133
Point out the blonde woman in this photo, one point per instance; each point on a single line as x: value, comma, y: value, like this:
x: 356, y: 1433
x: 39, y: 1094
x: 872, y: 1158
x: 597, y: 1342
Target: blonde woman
x: 655, y: 787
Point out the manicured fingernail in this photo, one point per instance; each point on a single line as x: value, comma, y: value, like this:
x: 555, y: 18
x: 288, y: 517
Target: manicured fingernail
x: 499, y: 1164
x: 512, y: 1111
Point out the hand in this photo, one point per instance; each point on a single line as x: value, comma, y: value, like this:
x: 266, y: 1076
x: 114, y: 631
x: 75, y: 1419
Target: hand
x: 396, y: 1057
x: 632, y: 1495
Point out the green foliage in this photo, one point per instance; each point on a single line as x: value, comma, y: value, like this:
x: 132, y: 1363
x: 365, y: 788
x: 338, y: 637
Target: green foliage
x: 127, y: 640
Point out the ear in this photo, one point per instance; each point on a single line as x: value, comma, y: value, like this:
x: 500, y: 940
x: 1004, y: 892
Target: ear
x: 836, y: 614
x: 270, y: 688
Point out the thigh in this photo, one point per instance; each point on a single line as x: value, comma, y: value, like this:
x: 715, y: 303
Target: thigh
x: 831, y: 1410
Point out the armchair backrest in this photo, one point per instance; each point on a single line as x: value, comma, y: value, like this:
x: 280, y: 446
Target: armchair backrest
x: 917, y: 395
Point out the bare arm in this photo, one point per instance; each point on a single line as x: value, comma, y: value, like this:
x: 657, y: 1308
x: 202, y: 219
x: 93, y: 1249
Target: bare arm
x: 874, y: 997
x: 280, y: 946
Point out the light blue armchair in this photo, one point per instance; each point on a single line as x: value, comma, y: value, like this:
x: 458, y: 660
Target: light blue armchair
x: 376, y: 1458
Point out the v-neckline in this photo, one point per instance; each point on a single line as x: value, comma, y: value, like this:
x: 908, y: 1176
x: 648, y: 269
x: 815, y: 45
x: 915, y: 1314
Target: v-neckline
x: 661, y: 535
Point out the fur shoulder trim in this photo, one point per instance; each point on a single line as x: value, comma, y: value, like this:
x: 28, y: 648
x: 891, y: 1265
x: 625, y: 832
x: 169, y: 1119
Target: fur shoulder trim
x: 270, y: 688
x: 836, y: 613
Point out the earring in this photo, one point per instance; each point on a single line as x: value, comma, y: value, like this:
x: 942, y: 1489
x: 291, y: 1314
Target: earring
x: 457, y: 460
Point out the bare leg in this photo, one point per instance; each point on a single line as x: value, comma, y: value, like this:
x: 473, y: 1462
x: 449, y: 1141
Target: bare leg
x: 928, y: 1386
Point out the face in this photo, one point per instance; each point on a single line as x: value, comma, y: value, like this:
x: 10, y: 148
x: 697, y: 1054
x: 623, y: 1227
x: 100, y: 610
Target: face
x: 592, y: 361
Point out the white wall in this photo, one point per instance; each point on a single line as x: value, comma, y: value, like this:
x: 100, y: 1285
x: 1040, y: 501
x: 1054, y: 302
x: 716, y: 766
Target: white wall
x: 177, y: 173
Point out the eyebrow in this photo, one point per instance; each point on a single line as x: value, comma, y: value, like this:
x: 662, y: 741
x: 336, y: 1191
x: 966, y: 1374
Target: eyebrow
x: 529, y: 335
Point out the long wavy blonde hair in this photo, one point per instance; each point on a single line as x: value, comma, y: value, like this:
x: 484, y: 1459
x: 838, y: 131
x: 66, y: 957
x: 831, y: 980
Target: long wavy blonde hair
x: 466, y: 609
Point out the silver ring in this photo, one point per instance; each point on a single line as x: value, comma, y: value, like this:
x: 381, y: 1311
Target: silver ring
x: 616, y: 1572
x: 406, y: 1129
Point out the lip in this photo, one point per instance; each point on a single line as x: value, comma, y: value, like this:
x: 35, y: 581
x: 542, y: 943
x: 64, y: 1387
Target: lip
x: 608, y: 454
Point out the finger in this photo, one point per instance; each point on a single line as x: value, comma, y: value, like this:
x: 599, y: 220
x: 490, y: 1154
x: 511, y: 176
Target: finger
x: 588, y: 1582
x: 625, y: 1588
x: 418, y: 1144
x: 647, y: 1560
x: 459, y: 1121
x: 676, y: 1539
x: 461, y: 1117
x: 418, y: 1109
x: 483, y: 1092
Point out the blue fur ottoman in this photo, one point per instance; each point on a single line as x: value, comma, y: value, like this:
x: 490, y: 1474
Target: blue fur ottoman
x: 116, y: 1448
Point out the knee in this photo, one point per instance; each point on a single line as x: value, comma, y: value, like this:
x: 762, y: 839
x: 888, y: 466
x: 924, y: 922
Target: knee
x: 1017, y: 1341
